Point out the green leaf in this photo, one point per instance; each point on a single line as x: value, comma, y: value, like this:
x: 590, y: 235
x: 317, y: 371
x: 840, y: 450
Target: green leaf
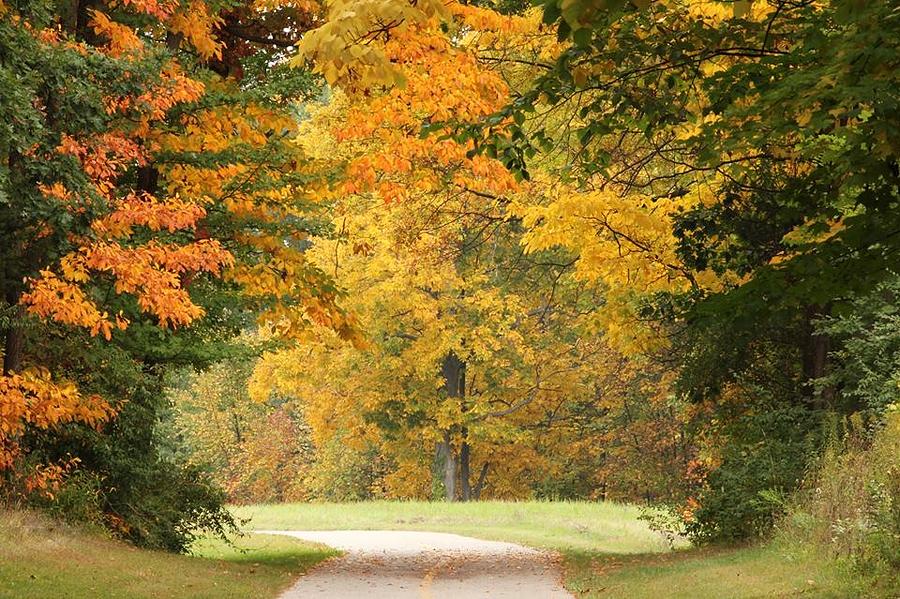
x: 582, y: 37
x: 562, y: 33
x: 552, y: 12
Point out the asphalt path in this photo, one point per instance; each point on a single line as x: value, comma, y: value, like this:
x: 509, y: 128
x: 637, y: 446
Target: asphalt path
x: 385, y: 564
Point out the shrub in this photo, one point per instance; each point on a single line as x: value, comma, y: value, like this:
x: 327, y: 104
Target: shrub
x: 78, y: 499
x: 128, y: 472
x: 176, y: 504
x: 763, y: 461
x: 865, y: 366
x: 667, y: 521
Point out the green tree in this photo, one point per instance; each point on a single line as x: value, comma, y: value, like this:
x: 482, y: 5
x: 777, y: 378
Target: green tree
x: 773, y: 125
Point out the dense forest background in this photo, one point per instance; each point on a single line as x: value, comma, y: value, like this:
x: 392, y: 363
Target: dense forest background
x: 288, y: 250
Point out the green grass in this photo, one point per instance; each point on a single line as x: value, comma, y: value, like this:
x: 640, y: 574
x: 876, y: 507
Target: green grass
x: 559, y: 526
x: 40, y: 558
x: 607, y: 552
x: 734, y: 573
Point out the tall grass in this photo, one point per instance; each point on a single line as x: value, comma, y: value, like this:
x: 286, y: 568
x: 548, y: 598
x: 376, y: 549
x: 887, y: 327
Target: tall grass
x: 850, y: 510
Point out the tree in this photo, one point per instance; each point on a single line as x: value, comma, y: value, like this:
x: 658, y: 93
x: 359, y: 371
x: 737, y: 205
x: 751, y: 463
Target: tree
x: 154, y: 199
x: 64, y: 148
x: 750, y: 119
x: 760, y: 132
x: 475, y: 346
x: 728, y: 179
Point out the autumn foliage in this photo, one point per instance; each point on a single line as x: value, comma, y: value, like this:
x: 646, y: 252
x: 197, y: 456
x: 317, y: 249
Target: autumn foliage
x: 446, y: 249
x: 141, y: 184
x: 105, y: 247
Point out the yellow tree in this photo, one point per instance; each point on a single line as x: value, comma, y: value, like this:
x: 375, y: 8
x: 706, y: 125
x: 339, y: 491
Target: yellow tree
x: 622, y: 236
x: 473, y: 346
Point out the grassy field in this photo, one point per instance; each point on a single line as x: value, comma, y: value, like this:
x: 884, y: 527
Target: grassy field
x: 560, y: 526
x: 40, y: 559
x: 607, y: 552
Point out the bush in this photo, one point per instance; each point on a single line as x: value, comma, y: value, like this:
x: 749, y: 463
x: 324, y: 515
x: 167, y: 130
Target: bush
x: 128, y: 473
x: 665, y: 520
x: 60, y: 489
x: 763, y: 461
x: 163, y: 507
x: 175, y: 506
x: 78, y: 499
x: 866, y: 362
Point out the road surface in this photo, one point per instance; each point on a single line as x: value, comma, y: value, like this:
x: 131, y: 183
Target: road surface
x: 382, y: 564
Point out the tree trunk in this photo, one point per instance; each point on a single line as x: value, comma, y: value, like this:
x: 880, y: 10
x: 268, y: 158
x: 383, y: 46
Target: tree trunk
x: 454, y: 371
x: 479, y: 484
x: 83, y: 15
x: 815, y: 355
x: 445, y: 467
x: 236, y: 425
x: 464, y: 483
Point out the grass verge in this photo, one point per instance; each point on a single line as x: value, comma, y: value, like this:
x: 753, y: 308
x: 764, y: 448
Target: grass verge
x: 723, y: 573
x: 40, y: 558
x: 607, y: 552
x: 559, y: 526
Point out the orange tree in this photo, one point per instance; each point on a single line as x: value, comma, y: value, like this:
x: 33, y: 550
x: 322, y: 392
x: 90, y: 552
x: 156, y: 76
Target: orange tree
x: 150, y: 202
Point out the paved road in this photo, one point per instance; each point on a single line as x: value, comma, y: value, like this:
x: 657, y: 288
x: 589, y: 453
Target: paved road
x: 380, y: 564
